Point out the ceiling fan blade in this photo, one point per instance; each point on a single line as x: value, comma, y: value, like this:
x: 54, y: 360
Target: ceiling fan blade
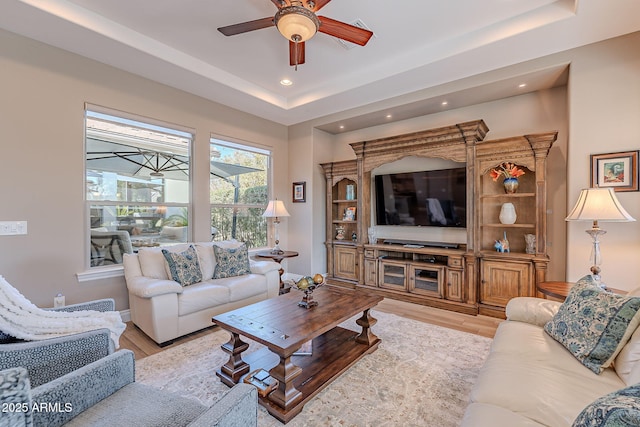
x: 344, y: 31
x: 245, y: 27
x: 292, y: 53
x: 319, y: 4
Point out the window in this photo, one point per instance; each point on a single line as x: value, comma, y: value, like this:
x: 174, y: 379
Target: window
x: 239, y: 192
x: 137, y: 185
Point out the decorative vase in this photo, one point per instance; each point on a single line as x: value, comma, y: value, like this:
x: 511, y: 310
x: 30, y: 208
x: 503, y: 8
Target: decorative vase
x: 530, y: 240
x: 508, y: 213
x: 351, y: 194
x: 510, y: 185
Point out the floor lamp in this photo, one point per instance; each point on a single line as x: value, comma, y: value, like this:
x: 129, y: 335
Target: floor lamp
x: 598, y: 204
x: 275, y: 209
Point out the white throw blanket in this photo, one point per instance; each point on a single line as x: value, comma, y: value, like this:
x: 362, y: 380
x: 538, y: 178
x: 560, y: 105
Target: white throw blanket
x: 22, y: 319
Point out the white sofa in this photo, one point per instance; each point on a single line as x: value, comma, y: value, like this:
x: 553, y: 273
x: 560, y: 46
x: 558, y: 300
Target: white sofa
x: 165, y: 310
x: 530, y: 379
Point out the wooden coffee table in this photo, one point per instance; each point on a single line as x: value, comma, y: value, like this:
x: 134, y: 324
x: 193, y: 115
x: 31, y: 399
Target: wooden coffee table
x: 283, y: 328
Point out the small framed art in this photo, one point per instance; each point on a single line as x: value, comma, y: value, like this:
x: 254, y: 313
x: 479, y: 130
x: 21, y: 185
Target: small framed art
x: 616, y: 170
x: 349, y: 214
x: 299, y: 192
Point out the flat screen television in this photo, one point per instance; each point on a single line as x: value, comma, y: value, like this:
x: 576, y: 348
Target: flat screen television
x: 435, y: 198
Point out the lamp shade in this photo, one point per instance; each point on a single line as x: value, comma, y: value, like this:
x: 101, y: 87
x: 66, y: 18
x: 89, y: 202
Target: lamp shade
x: 275, y: 209
x: 598, y: 204
x: 296, y: 23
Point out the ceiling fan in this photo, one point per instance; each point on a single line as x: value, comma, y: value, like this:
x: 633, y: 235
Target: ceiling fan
x: 297, y: 21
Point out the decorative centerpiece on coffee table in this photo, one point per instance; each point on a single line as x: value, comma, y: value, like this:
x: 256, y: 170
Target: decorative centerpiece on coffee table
x: 307, y: 285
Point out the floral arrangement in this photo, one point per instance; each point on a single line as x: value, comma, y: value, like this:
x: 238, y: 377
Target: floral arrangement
x: 507, y: 170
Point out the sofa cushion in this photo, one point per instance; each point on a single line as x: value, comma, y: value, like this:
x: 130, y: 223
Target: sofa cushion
x: 530, y: 373
x: 246, y: 286
x: 184, y: 266
x: 207, y: 259
x: 594, y: 325
x: 618, y: 409
x: 231, y: 262
x: 152, y: 262
x: 152, y: 407
x: 627, y: 362
x: 486, y: 415
x: 202, y: 296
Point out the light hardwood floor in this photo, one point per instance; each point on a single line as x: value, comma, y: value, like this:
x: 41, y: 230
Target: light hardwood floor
x: 134, y: 339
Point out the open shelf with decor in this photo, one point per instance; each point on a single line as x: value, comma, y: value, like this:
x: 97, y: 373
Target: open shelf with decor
x: 511, y: 222
x: 343, y: 222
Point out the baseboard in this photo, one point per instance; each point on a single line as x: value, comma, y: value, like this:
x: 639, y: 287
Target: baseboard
x: 125, y: 315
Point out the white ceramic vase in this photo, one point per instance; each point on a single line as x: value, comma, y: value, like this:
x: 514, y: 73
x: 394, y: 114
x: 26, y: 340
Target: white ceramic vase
x: 508, y: 214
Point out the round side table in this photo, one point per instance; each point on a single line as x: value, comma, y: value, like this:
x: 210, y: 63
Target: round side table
x: 277, y: 257
x: 560, y: 290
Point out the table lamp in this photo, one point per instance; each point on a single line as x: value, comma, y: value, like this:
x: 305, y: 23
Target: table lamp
x: 598, y: 204
x: 275, y: 209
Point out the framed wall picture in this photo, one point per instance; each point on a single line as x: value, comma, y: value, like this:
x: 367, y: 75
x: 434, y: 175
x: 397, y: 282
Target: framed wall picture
x: 616, y: 170
x: 299, y: 192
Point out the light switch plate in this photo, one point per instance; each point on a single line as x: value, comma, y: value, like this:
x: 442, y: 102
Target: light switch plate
x: 13, y: 228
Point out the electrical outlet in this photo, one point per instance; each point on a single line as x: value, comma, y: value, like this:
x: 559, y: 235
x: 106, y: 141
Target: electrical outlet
x: 58, y: 301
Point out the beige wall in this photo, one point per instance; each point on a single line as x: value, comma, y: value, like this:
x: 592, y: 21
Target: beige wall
x: 42, y: 161
x: 604, y: 117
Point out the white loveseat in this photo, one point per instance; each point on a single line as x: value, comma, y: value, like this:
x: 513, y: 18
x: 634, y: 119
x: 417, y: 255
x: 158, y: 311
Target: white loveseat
x: 164, y: 309
x: 530, y: 379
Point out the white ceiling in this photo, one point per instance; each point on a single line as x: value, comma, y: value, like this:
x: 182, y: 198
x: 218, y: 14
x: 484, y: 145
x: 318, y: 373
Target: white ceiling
x: 417, y: 45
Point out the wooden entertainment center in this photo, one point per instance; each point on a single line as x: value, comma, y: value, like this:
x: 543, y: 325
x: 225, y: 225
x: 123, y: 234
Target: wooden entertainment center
x: 470, y: 277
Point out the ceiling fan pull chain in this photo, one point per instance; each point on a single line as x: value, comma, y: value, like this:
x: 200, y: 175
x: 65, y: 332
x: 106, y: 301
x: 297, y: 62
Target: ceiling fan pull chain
x: 296, y: 39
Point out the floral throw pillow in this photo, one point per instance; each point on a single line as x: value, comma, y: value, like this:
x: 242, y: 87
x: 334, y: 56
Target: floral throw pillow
x: 594, y: 324
x: 618, y: 409
x: 184, y: 266
x: 231, y: 262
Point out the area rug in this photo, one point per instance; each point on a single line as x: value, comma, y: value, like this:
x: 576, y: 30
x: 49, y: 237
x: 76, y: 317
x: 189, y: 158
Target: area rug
x: 421, y: 375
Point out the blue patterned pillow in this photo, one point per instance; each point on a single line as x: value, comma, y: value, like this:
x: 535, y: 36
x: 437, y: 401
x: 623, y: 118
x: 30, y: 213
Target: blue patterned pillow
x: 231, y: 262
x: 184, y: 266
x: 618, y: 409
x: 594, y: 324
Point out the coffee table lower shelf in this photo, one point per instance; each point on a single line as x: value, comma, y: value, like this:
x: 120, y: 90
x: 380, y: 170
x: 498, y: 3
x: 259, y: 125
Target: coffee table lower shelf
x: 333, y: 353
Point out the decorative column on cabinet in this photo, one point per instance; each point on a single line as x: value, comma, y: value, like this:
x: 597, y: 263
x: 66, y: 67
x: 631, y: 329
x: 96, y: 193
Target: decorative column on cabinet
x: 516, y: 271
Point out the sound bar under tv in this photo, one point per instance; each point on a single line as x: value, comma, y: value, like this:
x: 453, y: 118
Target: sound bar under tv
x: 413, y: 243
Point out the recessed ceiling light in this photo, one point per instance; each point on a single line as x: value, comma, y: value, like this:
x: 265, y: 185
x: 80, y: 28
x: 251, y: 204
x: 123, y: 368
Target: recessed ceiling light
x: 445, y: 102
x: 521, y: 85
x: 341, y: 126
x: 286, y: 82
x: 389, y: 116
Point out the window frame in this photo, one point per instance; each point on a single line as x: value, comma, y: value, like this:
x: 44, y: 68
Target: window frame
x: 251, y: 147
x: 143, y: 123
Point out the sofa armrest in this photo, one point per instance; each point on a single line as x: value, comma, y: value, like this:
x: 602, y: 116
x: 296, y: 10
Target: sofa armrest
x: 104, y: 305
x: 536, y: 311
x: 52, y: 358
x: 147, y: 287
x: 263, y: 267
x: 238, y: 407
x: 82, y: 388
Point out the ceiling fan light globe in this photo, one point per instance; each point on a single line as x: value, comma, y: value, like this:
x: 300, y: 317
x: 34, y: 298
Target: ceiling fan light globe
x: 296, y: 23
